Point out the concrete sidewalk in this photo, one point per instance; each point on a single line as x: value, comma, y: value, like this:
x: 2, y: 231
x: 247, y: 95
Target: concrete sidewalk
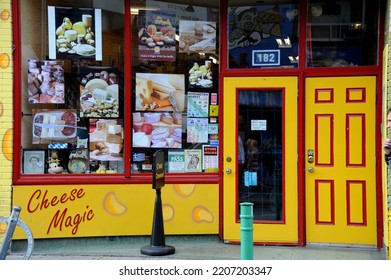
x: 186, y: 248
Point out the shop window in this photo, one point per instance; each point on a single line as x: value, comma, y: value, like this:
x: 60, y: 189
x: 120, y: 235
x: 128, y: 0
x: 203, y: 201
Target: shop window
x: 263, y: 35
x: 342, y: 33
x: 175, y: 92
x: 72, y: 97
x: 75, y: 103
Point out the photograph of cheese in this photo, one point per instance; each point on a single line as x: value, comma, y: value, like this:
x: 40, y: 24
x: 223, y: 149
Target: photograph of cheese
x: 197, y: 36
x: 74, y: 33
x: 99, y: 92
x: 46, y: 82
x: 157, y: 130
x: 106, y: 139
x: 160, y: 92
x: 200, y: 74
x: 54, y: 125
x: 156, y: 35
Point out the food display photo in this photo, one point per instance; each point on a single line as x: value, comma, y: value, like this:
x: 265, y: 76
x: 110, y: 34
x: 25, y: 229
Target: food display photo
x: 197, y: 36
x: 157, y: 130
x: 99, y: 92
x: 106, y: 139
x: 200, y: 74
x: 45, y: 82
x: 156, y: 35
x: 54, y: 126
x: 160, y: 92
x: 74, y: 33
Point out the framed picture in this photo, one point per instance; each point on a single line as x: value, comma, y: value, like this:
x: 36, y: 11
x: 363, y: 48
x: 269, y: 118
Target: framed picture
x: 33, y: 161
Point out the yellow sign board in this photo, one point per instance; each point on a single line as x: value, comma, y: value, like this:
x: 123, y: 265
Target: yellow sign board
x: 115, y: 210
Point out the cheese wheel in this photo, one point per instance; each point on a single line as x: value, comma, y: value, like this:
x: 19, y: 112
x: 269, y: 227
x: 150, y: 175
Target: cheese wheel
x: 96, y: 83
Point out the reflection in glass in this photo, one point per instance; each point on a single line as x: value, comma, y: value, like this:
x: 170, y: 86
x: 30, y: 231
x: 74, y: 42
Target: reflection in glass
x: 263, y: 35
x: 260, y: 162
x: 342, y: 33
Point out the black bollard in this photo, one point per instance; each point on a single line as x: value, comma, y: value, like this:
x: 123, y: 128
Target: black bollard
x: 158, y: 245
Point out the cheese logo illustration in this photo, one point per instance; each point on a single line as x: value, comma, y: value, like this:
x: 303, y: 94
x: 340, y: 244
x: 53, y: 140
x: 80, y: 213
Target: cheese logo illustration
x: 168, y: 212
x: 4, y: 60
x: 5, y: 14
x: 184, y: 190
x: 7, y: 144
x: 3, y: 227
x: 202, y: 214
x: 113, y: 205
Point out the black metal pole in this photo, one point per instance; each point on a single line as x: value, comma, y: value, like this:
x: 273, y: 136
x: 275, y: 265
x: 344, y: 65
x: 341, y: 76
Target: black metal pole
x: 158, y: 245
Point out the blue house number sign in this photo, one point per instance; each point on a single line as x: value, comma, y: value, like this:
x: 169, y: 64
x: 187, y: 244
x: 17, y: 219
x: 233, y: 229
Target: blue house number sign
x: 266, y: 57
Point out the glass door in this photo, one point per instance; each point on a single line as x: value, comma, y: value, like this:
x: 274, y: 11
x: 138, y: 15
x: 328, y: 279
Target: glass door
x: 260, y: 157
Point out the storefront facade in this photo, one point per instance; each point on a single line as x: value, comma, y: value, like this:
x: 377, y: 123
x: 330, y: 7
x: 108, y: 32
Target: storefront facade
x: 274, y: 103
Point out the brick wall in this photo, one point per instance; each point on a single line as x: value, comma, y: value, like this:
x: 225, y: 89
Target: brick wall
x: 6, y: 130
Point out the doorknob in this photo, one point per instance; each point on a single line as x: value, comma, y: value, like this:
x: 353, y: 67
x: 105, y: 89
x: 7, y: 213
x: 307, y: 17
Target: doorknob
x: 310, y: 169
x: 229, y: 170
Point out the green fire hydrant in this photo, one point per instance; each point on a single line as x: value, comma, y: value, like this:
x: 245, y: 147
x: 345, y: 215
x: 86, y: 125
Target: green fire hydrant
x: 246, y: 230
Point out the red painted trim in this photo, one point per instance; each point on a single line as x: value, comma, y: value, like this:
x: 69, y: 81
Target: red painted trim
x: 332, y: 203
x: 363, y: 203
x: 283, y: 168
x: 331, y: 140
x: 319, y: 100
x: 379, y: 117
x: 301, y: 157
x: 127, y: 88
x: 363, y: 96
x: 17, y: 77
x: 283, y: 205
x: 347, y: 140
x: 222, y: 65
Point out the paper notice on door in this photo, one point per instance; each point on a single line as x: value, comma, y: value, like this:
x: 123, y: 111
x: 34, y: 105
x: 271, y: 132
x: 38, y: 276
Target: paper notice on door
x: 258, y: 124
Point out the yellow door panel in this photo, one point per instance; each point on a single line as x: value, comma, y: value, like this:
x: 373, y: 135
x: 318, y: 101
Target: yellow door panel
x: 340, y: 181
x: 262, y: 109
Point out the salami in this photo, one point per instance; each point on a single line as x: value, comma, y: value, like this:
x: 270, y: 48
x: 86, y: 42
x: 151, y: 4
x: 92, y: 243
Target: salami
x: 69, y: 118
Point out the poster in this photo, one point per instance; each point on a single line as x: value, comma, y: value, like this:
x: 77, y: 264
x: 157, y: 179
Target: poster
x: 59, y: 126
x: 74, y: 33
x: 201, y: 74
x: 192, y: 160
x: 197, y: 130
x: 106, y: 139
x: 176, y: 161
x: 197, y: 104
x: 197, y: 36
x: 156, y: 35
x: 210, y: 158
x: 99, y: 92
x: 160, y: 92
x: 46, y: 82
x: 157, y: 130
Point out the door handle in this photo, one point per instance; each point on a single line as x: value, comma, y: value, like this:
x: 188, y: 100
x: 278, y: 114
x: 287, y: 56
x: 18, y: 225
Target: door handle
x: 228, y: 170
x: 310, y: 169
x: 310, y: 155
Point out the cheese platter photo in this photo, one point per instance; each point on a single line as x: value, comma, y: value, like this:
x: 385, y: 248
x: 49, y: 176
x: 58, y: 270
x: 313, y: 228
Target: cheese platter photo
x: 157, y: 130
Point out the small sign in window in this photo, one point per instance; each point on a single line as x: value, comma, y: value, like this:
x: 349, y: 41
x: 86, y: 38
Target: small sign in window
x: 266, y: 58
x: 258, y: 124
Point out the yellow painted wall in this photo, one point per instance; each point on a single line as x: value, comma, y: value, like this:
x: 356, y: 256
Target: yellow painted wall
x: 387, y: 104
x: 5, y: 111
x: 115, y: 210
